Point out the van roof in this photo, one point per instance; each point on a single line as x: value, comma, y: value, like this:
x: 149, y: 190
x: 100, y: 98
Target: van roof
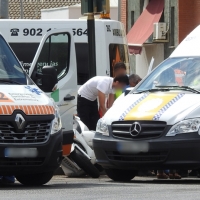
x: 190, y: 46
x: 55, y: 20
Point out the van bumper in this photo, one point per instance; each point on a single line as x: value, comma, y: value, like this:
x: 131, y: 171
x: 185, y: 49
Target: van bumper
x: 48, y: 159
x: 179, y: 152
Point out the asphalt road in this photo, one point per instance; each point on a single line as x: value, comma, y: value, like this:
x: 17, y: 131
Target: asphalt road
x: 64, y: 188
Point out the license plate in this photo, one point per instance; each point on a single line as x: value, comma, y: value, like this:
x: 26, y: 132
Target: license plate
x: 20, y: 152
x: 133, y: 147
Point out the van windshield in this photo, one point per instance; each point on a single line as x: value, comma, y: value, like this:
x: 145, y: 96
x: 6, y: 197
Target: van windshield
x: 174, y: 72
x: 10, y: 69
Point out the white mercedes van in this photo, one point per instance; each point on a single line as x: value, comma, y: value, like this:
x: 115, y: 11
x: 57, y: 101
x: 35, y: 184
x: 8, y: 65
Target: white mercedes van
x: 156, y: 125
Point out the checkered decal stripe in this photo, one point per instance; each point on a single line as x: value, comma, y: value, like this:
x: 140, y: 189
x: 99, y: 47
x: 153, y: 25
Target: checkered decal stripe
x: 132, y: 106
x: 167, y: 106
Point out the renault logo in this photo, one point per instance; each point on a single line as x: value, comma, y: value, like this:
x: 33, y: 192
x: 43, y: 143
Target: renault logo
x: 20, y: 121
x: 135, y: 129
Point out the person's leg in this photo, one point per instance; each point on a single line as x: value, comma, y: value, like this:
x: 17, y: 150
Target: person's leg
x: 83, y: 111
x: 94, y: 116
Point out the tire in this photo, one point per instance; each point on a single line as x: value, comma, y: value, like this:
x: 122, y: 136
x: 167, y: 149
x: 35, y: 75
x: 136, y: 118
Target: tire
x: 99, y: 167
x: 84, y: 163
x: 35, y: 179
x: 120, y: 175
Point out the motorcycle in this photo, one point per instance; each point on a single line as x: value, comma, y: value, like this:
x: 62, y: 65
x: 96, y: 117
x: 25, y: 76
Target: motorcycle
x: 82, y: 158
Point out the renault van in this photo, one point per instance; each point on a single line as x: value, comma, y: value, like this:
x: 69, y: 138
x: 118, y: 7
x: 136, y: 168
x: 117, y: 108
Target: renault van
x: 31, y: 136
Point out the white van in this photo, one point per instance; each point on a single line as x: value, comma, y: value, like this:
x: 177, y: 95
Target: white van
x: 31, y: 135
x: 156, y: 125
x: 24, y: 37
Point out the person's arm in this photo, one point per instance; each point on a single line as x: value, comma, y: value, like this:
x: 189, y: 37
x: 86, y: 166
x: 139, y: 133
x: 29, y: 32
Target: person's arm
x: 111, y: 99
x: 102, y: 100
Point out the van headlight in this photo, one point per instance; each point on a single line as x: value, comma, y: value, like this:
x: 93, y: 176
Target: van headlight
x: 56, y: 123
x: 102, y: 127
x: 185, y: 126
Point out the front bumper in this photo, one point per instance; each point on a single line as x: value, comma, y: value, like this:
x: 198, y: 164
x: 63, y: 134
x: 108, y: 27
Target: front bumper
x: 48, y: 159
x: 179, y: 152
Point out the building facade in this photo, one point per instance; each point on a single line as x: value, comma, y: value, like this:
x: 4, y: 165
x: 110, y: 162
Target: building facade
x: 31, y: 9
x: 181, y: 17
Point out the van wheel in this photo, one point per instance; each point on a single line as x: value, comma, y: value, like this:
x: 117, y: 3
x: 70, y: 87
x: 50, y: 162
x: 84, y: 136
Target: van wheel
x: 35, y: 179
x: 84, y: 163
x: 120, y: 175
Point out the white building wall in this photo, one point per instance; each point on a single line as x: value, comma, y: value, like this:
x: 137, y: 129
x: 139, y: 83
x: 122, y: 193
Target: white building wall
x: 72, y: 12
x: 55, y: 13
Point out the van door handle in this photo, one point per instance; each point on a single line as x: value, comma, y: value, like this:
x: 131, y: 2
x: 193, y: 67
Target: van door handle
x: 69, y: 98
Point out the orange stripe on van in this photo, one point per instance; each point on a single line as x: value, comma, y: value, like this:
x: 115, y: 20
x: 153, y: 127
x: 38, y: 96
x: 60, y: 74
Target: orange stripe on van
x: 9, y: 110
x: 27, y: 109
x: 45, y: 109
x: 37, y: 110
x: 2, y: 108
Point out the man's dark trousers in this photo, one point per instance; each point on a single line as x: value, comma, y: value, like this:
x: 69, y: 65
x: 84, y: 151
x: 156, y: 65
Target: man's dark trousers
x: 88, y: 112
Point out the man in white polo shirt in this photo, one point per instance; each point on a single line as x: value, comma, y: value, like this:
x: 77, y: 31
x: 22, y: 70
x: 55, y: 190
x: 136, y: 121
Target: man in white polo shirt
x: 97, y: 87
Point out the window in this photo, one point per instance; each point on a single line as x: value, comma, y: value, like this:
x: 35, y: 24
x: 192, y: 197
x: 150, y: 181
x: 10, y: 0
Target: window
x: 172, y: 43
x: 25, y: 52
x: 174, y: 72
x: 132, y: 18
x: 162, y: 18
x: 10, y: 68
x: 82, y: 62
x: 55, y: 53
x: 118, y: 53
x: 142, y: 5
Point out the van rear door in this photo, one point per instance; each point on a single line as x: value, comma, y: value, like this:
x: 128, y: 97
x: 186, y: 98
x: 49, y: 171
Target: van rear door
x: 57, y: 49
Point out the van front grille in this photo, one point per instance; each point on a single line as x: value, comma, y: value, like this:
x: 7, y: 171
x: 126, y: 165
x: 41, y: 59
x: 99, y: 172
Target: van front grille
x: 148, y: 129
x: 34, y: 132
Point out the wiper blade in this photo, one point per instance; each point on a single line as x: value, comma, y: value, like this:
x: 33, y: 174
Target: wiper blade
x: 180, y: 87
x: 10, y: 81
x: 152, y: 90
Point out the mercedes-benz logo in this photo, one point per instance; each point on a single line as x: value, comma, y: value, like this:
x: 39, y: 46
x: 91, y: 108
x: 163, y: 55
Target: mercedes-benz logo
x: 20, y: 121
x: 135, y: 129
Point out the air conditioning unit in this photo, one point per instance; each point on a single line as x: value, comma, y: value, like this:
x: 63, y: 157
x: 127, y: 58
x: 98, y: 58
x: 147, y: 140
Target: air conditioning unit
x: 160, y: 31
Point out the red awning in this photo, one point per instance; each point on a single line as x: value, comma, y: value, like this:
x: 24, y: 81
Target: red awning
x: 143, y: 27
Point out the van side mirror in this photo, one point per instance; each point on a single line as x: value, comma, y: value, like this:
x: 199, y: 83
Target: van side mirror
x: 49, y: 78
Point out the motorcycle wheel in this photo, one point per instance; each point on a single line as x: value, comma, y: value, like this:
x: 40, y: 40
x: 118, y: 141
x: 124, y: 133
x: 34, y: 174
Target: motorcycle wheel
x: 84, y: 163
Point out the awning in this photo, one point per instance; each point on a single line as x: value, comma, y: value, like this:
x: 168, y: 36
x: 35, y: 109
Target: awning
x: 143, y: 27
